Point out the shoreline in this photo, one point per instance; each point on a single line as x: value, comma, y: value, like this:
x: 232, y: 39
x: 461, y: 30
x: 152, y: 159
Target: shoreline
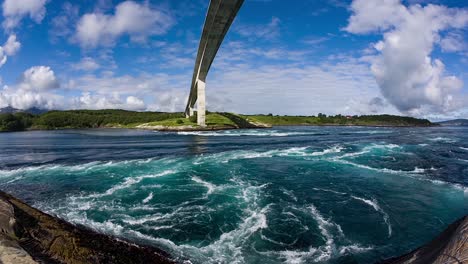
x: 224, y: 128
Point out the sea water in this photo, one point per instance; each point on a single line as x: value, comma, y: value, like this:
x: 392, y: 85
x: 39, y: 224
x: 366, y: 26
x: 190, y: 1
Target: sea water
x: 281, y: 195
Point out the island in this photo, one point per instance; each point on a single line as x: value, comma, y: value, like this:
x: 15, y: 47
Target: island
x: 81, y: 119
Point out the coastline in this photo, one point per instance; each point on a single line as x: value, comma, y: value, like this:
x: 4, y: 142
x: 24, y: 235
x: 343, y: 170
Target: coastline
x: 221, y: 128
x: 158, y: 121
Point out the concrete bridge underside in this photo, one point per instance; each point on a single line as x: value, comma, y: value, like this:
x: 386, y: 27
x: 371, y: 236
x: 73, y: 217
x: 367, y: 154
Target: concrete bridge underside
x: 221, y: 14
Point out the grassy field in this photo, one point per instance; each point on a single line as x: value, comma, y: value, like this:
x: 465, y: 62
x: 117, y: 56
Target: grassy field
x: 322, y: 120
x: 212, y: 120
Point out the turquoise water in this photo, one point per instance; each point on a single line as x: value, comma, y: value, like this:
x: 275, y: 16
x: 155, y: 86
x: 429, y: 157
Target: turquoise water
x: 284, y: 195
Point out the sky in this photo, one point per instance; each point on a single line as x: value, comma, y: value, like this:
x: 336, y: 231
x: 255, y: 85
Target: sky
x: 298, y: 57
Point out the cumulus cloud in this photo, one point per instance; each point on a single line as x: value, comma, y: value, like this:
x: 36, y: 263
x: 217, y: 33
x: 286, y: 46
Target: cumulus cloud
x: 86, y: 64
x: 376, y: 105
x: 35, y: 89
x: 12, y: 46
x: 407, y: 75
x: 453, y: 42
x: 130, y: 18
x: 15, y: 10
x: 3, y: 57
x: 96, y: 101
x: 39, y: 78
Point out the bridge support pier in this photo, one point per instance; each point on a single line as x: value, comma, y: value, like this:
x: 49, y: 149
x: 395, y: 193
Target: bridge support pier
x: 201, y: 106
x: 190, y: 113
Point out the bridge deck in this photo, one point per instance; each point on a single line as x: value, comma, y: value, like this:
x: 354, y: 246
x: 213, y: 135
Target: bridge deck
x: 219, y: 18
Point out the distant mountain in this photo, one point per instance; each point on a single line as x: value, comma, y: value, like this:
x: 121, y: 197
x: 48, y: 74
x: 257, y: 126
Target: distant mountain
x: 455, y: 122
x: 12, y: 110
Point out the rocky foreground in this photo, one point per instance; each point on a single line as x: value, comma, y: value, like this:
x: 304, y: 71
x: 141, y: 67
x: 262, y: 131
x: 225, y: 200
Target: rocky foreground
x: 450, y: 247
x: 28, y: 235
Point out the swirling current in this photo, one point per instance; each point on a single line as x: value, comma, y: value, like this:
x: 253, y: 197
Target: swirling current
x: 281, y: 195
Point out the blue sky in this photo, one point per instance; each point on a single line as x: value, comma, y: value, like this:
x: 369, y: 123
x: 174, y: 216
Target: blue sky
x: 281, y: 57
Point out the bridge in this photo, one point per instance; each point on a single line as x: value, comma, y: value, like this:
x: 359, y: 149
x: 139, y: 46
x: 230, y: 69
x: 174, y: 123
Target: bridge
x: 221, y: 14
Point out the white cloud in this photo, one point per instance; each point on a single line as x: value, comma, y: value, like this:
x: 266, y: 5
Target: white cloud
x: 39, y: 78
x: 35, y: 89
x: 331, y: 88
x: 453, y: 42
x: 269, y: 31
x: 15, y: 10
x: 12, y: 46
x: 3, y: 57
x: 407, y: 75
x: 133, y: 19
x: 86, y: 64
x: 61, y: 25
x: 375, y: 15
x: 93, y: 101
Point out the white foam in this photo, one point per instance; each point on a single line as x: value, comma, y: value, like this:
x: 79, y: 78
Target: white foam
x: 225, y: 157
x: 211, y: 187
x: 149, y: 198
x: 79, y: 167
x: 335, y: 149
x: 129, y: 182
x: 239, y: 133
x: 374, y: 204
x: 290, y: 194
x: 328, y: 190
x: 326, y: 228
x: 443, y: 139
x: 463, y: 148
x: 383, y: 170
x: 355, y: 248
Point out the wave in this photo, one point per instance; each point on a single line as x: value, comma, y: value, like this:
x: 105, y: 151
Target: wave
x: 211, y: 187
x: 328, y: 190
x: 129, y: 182
x: 289, y: 194
x: 225, y: 157
x: 353, y: 249
x: 464, y: 148
x: 326, y: 229
x: 329, y: 230
x: 416, y: 173
x: 374, y: 204
x: 335, y: 149
x: 416, y: 170
x: 444, y: 139
x: 239, y: 133
x: 86, y: 167
x: 369, y: 149
x: 148, y: 199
